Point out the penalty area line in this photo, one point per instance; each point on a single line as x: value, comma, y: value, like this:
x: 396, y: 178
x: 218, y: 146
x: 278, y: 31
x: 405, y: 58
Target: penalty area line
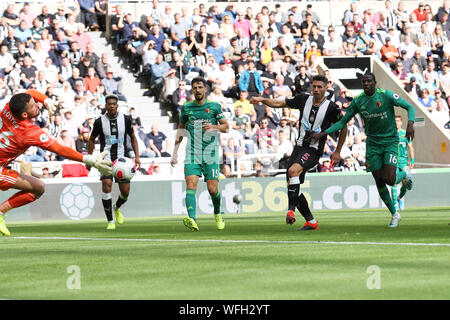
x: 414, y: 244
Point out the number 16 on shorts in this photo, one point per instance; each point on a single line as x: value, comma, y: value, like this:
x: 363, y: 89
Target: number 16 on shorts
x: 392, y: 159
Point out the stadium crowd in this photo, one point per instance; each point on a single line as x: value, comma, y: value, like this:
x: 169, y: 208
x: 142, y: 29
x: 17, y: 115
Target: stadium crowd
x: 241, y: 53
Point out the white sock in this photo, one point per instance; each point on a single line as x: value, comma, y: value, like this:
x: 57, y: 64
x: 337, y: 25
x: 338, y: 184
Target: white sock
x: 312, y: 221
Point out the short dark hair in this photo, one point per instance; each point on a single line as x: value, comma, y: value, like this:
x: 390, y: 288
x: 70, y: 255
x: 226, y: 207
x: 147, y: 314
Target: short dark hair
x: 18, y: 104
x: 370, y: 74
x: 198, y: 79
x: 321, y: 78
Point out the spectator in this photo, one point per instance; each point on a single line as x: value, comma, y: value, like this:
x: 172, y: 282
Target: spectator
x: 325, y: 165
x: 66, y: 140
x: 100, y: 12
x: 22, y: 32
x: 144, y: 148
x: 280, y: 90
x: 389, y: 53
x: 83, y: 66
x: 250, y: 81
x: 134, y: 116
x: 28, y: 72
x: 91, y: 82
x: 11, y: 18
x: 440, y: 113
x: 70, y: 26
x: 358, y: 150
x: 170, y: 84
x: 75, y: 53
x: 283, y: 149
x: 233, y: 51
x: 400, y: 73
x: 350, y: 165
x: 241, y: 122
x: 81, y: 144
x: 178, y: 30
x: 11, y: 41
x: 426, y: 100
x: 333, y: 45
x: 179, y: 97
x: 102, y: 65
x: 88, y: 16
x: 412, y: 88
x: 75, y: 77
x: 247, y: 107
x: 7, y: 60
x: 224, y: 78
x: 231, y: 152
x: 157, y: 36
x: 93, y: 57
x: 417, y: 74
x: 111, y: 84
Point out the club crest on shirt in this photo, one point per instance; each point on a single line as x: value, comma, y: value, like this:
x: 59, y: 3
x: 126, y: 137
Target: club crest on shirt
x: 379, y: 103
x: 43, y: 137
x: 207, y: 110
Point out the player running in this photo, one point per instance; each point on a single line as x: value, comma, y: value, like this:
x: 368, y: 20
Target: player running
x: 376, y: 107
x: 113, y: 129
x: 200, y: 120
x: 404, y: 147
x: 17, y: 134
x: 317, y: 113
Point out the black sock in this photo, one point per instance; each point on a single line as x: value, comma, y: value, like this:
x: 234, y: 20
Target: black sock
x: 303, y: 207
x: 107, y: 206
x: 120, y: 201
x: 293, y: 190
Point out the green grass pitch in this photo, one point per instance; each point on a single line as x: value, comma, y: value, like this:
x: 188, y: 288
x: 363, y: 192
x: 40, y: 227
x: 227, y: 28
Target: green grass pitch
x: 353, y: 256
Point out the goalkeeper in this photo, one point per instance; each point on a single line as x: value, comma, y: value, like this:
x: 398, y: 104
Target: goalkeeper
x: 17, y: 134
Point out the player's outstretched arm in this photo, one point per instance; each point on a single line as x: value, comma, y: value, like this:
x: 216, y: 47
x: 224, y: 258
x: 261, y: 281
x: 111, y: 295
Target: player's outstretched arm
x: 273, y: 103
x: 98, y: 161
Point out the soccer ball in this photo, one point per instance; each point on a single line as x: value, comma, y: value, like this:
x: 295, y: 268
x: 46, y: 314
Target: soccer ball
x: 123, y: 169
x: 77, y: 201
x: 237, y: 198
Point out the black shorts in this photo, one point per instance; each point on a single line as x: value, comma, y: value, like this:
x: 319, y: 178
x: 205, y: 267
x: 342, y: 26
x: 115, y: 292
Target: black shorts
x: 111, y: 177
x: 306, y: 157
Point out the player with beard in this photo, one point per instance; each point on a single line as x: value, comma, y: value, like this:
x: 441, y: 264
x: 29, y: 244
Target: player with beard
x: 17, y: 134
x: 201, y: 121
x: 316, y: 114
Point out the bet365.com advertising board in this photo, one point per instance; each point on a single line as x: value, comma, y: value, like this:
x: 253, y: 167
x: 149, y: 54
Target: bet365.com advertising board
x: 79, y: 199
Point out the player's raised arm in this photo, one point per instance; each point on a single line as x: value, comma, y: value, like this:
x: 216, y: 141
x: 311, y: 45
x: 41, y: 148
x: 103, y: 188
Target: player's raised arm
x: 103, y: 166
x: 42, y: 98
x: 273, y: 103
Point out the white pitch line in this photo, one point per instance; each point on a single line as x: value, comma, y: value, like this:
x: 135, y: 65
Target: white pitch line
x: 247, y: 241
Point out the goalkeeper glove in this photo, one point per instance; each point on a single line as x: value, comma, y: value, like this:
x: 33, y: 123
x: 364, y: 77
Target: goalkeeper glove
x: 51, y: 105
x: 98, y: 162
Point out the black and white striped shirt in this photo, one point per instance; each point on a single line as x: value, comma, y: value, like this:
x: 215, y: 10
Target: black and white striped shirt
x: 314, y: 118
x: 113, y: 134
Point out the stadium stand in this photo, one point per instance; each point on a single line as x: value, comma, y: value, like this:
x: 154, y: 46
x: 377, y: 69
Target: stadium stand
x: 77, y: 56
